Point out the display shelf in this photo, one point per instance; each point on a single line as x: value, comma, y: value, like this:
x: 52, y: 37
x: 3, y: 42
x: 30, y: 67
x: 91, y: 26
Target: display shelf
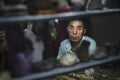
x: 66, y: 15
x: 62, y: 70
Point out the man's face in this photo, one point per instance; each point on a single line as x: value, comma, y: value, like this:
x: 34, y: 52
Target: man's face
x: 76, y: 30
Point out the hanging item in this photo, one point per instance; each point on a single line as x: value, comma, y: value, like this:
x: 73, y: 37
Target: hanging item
x: 52, y: 29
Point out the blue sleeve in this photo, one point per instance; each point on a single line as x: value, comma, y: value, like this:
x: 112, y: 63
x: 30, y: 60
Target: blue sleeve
x: 60, y: 52
x: 65, y: 48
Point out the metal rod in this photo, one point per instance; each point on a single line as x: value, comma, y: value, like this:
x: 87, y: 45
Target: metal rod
x: 28, y: 18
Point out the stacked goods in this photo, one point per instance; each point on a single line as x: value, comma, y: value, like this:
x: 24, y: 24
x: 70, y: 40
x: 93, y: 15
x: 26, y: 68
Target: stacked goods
x: 41, y: 7
x: 13, y: 8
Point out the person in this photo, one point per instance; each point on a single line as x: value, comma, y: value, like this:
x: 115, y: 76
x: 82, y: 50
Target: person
x: 76, y: 31
x: 37, y: 45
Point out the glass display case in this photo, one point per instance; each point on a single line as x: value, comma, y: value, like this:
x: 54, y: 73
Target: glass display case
x: 33, y: 41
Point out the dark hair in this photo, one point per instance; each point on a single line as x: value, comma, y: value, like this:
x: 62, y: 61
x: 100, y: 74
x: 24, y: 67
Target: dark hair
x: 78, y: 21
x: 86, y: 22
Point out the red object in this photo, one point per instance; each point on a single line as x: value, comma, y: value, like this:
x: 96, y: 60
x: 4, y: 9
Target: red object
x: 63, y: 8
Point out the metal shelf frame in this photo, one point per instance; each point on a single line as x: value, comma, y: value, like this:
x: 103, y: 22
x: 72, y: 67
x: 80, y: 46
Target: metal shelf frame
x: 29, y: 18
